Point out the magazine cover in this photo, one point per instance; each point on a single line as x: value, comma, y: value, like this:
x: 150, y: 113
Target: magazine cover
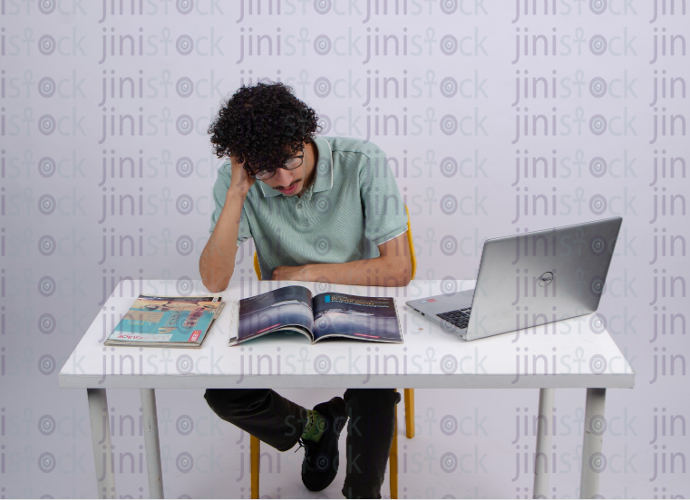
x: 166, y: 320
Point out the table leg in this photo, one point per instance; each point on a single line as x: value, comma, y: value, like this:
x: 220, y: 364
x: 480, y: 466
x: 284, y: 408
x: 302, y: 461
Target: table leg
x: 100, y: 438
x: 544, y: 435
x: 593, y: 461
x: 152, y: 443
x: 393, y: 457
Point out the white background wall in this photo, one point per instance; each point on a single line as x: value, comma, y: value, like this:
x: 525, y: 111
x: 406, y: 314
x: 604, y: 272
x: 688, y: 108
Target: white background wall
x: 608, y: 66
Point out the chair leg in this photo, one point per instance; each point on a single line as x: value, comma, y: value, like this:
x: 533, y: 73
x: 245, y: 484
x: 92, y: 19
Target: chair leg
x: 393, y: 460
x: 409, y: 413
x: 254, y: 456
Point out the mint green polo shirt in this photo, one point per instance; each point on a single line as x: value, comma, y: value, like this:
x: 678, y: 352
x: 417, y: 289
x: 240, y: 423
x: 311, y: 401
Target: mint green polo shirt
x: 352, y: 206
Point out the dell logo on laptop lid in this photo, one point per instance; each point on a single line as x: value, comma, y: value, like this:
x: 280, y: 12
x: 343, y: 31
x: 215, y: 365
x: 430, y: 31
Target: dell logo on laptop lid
x: 545, y: 278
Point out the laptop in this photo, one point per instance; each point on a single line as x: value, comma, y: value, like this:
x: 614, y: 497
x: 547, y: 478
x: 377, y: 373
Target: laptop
x: 527, y: 280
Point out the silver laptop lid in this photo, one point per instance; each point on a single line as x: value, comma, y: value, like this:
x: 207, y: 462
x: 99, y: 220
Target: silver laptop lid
x: 540, y: 277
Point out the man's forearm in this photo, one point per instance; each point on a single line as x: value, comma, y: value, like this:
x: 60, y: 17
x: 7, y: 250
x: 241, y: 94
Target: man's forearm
x: 217, y: 261
x: 379, y: 271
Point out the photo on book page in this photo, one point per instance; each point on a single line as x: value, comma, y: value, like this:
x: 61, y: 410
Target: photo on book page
x: 281, y: 308
x: 366, y: 318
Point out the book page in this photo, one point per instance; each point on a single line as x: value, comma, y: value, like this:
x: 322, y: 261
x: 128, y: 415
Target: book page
x: 353, y: 316
x: 271, y: 311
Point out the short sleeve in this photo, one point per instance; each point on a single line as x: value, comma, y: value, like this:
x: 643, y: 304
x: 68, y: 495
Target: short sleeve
x: 384, y: 210
x: 220, y: 191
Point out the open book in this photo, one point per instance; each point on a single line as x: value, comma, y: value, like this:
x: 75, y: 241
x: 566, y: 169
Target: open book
x: 326, y: 315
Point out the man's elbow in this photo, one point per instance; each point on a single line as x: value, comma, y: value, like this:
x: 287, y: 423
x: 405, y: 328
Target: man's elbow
x: 401, y: 274
x: 215, y: 287
x: 406, y: 266
x: 406, y: 277
x: 217, y: 290
x: 215, y: 283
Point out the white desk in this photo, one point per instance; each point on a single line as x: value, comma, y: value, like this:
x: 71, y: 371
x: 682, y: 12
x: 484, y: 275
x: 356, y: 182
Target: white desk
x: 573, y: 353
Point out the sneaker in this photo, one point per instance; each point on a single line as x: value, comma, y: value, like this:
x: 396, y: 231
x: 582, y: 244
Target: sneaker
x: 320, y: 465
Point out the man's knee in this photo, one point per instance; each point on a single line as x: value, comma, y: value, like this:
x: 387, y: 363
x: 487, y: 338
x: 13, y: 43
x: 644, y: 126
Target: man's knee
x: 223, y: 401
x: 371, y: 397
x: 216, y: 398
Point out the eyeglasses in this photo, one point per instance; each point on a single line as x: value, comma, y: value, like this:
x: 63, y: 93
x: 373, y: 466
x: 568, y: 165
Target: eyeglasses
x: 291, y: 164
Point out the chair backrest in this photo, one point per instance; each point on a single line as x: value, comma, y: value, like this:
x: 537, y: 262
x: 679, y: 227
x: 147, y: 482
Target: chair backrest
x: 257, y: 269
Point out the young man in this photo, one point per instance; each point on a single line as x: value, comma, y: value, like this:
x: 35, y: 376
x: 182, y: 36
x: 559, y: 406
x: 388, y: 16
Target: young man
x: 318, y: 209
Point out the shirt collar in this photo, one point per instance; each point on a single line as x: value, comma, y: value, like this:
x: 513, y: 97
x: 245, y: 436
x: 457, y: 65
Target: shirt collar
x: 324, y: 172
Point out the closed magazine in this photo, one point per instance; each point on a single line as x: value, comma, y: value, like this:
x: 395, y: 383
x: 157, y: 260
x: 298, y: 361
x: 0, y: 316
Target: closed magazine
x: 323, y: 316
x: 160, y: 321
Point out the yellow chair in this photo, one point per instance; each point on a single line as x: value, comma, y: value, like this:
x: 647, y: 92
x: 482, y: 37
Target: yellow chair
x: 254, y: 443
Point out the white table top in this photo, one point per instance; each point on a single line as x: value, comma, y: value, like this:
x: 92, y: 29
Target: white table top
x: 573, y: 356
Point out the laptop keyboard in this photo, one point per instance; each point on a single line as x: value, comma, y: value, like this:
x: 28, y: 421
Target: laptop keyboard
x: 459, y: 318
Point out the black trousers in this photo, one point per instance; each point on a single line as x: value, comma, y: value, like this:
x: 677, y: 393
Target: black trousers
x: 279, y: 422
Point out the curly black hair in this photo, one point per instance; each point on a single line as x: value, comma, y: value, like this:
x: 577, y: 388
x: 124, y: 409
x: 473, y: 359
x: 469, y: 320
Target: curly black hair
x: 263, y: 126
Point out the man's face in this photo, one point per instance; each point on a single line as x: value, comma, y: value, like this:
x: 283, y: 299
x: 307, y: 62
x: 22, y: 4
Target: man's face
x: 288, y: 182
x: 293, y: 182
